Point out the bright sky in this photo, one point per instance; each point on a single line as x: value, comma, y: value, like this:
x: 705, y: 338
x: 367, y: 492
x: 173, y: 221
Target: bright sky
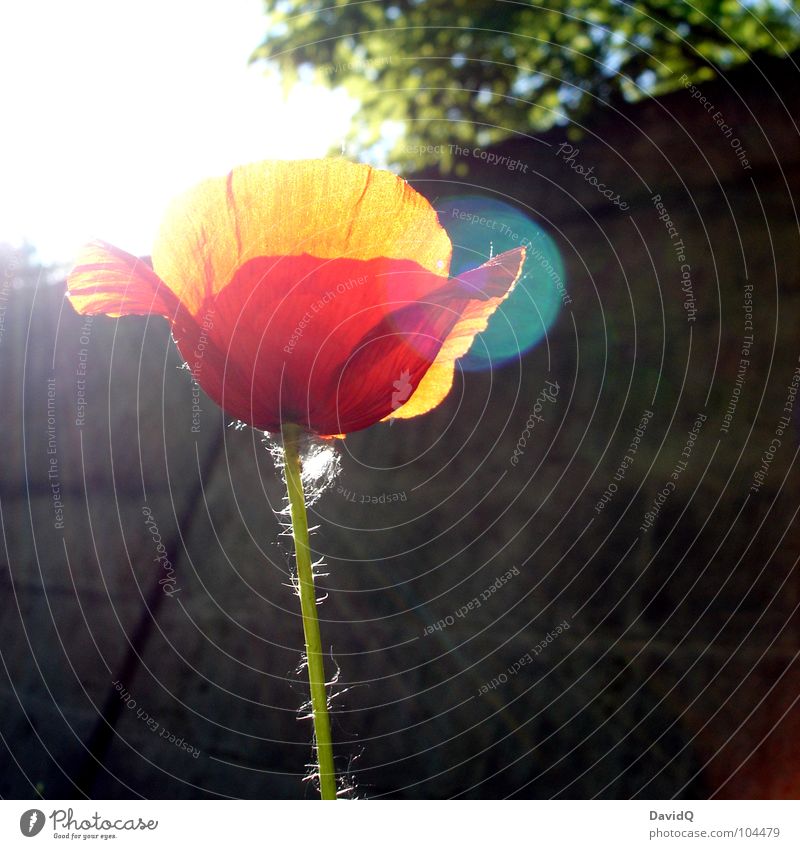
x: 111, y: 108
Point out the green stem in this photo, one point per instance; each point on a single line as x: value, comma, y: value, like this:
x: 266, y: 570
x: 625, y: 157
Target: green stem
x: 308, y: 606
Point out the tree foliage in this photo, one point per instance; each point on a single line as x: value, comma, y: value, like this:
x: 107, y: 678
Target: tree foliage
x: 439, y: 72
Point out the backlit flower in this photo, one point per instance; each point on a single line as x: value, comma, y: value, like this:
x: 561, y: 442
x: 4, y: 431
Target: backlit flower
x: 313, y: 292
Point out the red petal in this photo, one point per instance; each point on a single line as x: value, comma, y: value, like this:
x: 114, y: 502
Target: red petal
x: 487, y: 286
x: 277, y: 336
x: 107, y: 280
x: 389, y: 367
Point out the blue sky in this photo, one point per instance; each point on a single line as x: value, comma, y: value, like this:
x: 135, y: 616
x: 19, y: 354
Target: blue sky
x: 109, y: 109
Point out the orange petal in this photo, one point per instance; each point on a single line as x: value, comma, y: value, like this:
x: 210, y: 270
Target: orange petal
x: 489, y: 285
x: 109, y: 281
x: 328, y: 208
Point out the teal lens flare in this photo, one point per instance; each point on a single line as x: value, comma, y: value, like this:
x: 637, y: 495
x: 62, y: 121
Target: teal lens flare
x: 479, y: 227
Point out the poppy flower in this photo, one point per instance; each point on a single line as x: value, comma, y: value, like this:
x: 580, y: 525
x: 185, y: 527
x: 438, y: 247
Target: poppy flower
x: 314, y: 292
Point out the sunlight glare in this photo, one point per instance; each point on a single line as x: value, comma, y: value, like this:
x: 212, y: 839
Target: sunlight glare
x: 110, y: 109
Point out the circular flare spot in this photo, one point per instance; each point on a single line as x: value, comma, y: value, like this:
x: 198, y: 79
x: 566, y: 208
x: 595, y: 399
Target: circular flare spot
x: 480, y: 227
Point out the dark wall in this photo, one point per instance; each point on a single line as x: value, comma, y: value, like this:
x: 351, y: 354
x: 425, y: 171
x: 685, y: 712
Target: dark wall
x: 677, y: 673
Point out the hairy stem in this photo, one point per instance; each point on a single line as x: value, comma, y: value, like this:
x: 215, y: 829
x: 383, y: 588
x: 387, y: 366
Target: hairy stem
x: 308, y: 606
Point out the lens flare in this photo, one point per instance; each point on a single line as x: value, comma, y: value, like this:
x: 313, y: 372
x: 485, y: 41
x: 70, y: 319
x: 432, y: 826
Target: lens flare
x: 479, y: 227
